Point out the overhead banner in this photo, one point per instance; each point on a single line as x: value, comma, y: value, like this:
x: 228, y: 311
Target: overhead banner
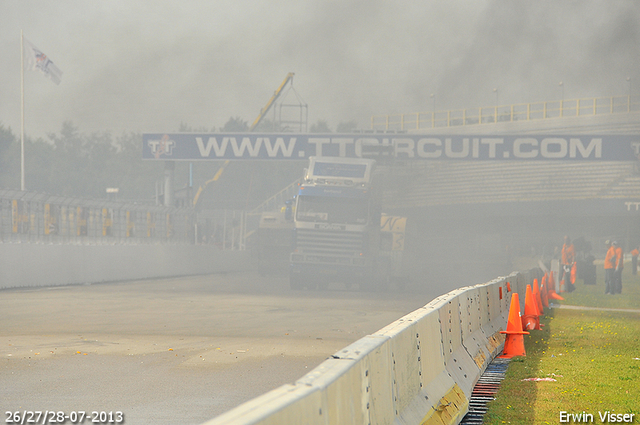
x: 289, y: 146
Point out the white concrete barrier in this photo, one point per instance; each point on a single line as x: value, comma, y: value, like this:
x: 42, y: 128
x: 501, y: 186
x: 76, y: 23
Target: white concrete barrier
x: 29, y: 264
x: 419, y: 369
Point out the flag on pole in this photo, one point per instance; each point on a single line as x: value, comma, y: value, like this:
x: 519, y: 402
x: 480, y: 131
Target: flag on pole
x: 34, y: 59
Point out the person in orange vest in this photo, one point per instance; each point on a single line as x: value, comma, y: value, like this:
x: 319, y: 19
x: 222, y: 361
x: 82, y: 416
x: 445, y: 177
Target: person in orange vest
x: 617, y: 274
x: 568, y: 258
x: 609, y: 267
x: 634, y: 260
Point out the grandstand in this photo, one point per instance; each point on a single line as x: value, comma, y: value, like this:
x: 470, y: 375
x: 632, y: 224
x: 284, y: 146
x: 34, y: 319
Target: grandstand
x: 480, y: 214
x: 464, y: 182
x: 448, y: 182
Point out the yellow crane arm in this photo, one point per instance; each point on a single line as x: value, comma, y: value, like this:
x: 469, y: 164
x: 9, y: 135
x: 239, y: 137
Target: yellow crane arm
x: 216, y: 177
x: 263, y: 112
x: 271, y: 101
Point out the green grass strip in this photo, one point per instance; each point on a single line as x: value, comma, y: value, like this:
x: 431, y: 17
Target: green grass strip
x: 593, y: 355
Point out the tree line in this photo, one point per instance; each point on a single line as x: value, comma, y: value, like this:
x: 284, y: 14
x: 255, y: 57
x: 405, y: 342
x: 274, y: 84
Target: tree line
x: 71, y: 163
x: 76, y: 164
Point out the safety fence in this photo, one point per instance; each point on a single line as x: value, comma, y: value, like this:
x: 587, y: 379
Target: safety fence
x: 37, y: 217
x: 419, y: 369
x: 42, y: 218
x: 227, y: 229
x: 506, y: 113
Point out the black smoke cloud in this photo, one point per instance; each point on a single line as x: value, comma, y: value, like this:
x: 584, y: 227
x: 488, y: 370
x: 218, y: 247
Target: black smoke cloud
x: 137, y: 66
x: 525, y: 49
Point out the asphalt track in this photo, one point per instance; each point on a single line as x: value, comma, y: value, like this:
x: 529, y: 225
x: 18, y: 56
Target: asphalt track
x: 176, y: 350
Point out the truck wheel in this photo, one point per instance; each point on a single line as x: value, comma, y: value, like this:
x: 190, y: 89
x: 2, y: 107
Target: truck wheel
x: 383, y: 284
x: 400, y: 283
x: 369, y: 284
x: 295, y: 281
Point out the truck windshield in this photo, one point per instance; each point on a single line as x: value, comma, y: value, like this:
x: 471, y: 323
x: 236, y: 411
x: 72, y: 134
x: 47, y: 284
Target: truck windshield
x: 327, y: 209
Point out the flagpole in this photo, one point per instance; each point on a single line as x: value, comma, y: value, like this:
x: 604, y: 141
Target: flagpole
x: 22, y: 185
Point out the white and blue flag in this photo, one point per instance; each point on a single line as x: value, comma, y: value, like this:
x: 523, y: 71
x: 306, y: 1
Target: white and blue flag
x: 34, y: 59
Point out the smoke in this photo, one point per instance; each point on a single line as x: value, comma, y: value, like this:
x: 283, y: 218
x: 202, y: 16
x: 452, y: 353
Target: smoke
x: 525, y: 49
x: 140, y: 66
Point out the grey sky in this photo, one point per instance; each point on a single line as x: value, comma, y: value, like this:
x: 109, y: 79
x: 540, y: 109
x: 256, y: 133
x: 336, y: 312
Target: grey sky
x: 148, y: 66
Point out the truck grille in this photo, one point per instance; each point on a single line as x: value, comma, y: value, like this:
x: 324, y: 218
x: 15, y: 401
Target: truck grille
x: 327, y: 242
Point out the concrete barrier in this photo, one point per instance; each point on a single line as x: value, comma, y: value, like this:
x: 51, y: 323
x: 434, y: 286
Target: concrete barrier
x: 28, y: 264
x: 419, y: 369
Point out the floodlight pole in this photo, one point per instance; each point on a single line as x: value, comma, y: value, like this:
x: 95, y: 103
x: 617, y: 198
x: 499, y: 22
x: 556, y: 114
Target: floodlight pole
x: 561, y: 101
x: 22, y: 185
x: 497, y: 104
x: 433, y: 111
x: 629, y: 96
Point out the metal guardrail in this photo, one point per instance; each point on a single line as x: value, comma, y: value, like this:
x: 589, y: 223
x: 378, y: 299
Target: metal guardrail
x: 43, y: 218
x: 251, y: 219
x: 226, y: 229
x: 506, y: 113
x: 275, y: 202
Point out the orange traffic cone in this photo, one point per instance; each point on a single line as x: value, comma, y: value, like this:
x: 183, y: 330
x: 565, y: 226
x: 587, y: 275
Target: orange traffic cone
x: 537, y: 297
x: 552, y: 288
x: 531, y: 317
x: 554, y: 295
x: 514, y: 343
x: 544, y: 292
x: 508, y: 287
